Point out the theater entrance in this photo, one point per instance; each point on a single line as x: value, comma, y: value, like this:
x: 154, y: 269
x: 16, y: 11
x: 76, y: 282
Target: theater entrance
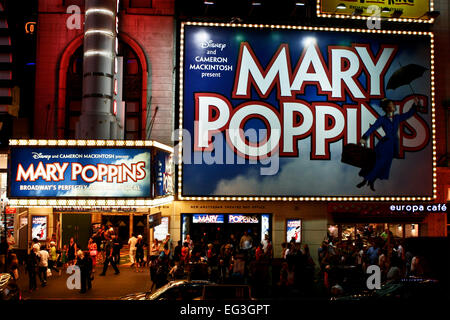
x: 120, y: 224
x: 219, y: 227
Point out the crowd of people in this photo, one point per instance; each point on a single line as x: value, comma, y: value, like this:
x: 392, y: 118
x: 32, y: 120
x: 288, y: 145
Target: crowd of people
x: 341, y: 265
x: 231, y: 261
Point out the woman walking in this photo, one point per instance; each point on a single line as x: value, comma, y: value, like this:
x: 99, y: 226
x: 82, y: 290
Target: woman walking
x: 71, y: 251
x: 92, y: 246
x: 139, y: 254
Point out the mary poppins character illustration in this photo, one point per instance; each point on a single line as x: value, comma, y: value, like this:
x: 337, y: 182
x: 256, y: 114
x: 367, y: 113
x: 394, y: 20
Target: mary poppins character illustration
x: 387, y: 148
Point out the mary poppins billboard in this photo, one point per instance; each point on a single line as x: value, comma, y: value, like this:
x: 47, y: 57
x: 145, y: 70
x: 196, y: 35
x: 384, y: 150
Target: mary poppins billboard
x: 278, y: 111
x: 38, y: 172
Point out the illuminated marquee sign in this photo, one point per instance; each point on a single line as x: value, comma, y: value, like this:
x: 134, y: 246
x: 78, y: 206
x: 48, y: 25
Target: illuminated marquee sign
x: 207, y: 218
x: 294, y: 230
x: 164, y: 174
x: 394, y: 10
x: 269, y: 109
x: 240, y: 218
x: 39, y: 227
x: 79, y: 172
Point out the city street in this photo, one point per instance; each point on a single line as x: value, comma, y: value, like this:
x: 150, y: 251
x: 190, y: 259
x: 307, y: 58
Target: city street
x: 109, y: 287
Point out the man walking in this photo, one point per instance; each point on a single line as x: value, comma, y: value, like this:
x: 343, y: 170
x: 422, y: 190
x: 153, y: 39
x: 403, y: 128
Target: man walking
x: 109, y: 257
x: 132, y: 243
x: 116, y: 248
x: 43, y: 265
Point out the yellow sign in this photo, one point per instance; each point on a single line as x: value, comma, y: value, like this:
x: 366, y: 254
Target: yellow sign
x: 403, y: 9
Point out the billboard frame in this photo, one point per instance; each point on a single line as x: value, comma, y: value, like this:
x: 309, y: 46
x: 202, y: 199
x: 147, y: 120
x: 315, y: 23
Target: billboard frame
x: 336, y: 15
x: 179, y: 154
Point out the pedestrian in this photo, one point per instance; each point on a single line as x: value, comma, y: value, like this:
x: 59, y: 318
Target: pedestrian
x: 189, y: 241
x: 14, y: 266
x: 31, y: 267
x: 100, y: 241
x: 71, y: 250
x: 132, y: 243
x: 92, y: 246
x: 116, y: 248
x: 168, y: 241
x: 265, y: 242
x: 267, y: 247
x: 139, y: 254
x: 154, y: 252
x: 109, y: 258
x: 146, y: 258
x: 43, y: 265
x: 53, y: 257
x: 259, y: 252
x: 283, y: 250
x: 373, y: 253
x: 246, y: 242
x: 64, y: 256
x: 36, y: 244
x: 11, y: 241
x: 185, y: 253
x: 177, y: 252
x: 84, y: 262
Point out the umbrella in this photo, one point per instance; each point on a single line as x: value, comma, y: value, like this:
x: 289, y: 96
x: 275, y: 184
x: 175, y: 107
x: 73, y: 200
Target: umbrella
x: 405, y: 75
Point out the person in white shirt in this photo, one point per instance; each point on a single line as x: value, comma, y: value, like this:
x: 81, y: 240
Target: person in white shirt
x: 132, y: 243
x: 36, y: 246
x: 265, y: 243
x: 43, y: 265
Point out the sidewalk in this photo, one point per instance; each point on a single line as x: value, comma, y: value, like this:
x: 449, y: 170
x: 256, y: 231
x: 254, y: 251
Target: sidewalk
x: 109, y: 287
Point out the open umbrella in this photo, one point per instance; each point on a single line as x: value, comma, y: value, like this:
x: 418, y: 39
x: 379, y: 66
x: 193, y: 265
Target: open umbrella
x: 405, y: 75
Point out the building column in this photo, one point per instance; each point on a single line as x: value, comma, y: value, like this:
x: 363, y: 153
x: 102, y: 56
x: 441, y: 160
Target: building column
x: 97, y: 120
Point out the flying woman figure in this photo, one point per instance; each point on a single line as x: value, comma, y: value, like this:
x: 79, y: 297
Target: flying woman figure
x: 387, y: 148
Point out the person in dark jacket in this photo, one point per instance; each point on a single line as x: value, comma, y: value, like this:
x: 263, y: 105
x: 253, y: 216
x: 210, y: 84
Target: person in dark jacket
x: 116, y: 249
x: 84, y: 262
x: 31, y: 266
x: 109, y: 258
x: 177, y: 252
x: 388, y: 147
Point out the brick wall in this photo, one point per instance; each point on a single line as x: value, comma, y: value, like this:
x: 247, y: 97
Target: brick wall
x: 53, y: 37
x: 442, y: 68
x: 153, y: 33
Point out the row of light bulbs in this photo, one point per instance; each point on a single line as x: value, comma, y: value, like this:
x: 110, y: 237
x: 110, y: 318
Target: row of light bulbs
x: 88, y: 203
x: 90, y: 143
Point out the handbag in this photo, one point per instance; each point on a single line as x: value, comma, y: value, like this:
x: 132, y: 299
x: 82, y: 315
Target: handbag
x: 358, y: 156
x: 49, y: 272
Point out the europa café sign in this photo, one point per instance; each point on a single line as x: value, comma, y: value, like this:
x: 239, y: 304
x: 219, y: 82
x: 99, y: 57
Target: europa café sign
x: 96, y: 171
x: 290, y: 98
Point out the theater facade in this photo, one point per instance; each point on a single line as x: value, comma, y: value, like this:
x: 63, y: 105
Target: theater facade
x: 234, y: 127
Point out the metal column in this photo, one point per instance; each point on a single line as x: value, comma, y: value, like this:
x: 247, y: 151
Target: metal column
x: 97, y: 120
